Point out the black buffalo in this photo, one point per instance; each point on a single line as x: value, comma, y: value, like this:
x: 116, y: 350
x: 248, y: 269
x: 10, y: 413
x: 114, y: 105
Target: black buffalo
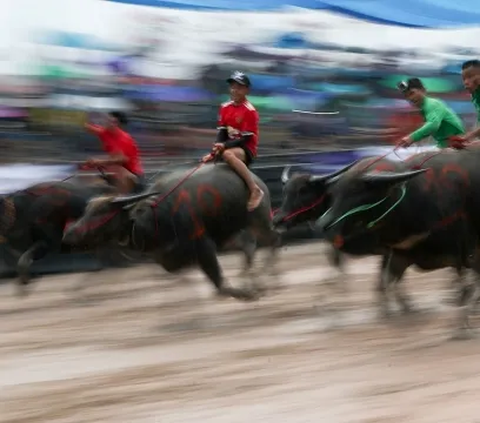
x: 182, y: 221
x: 32, y: 220
x: 304, y: 200
x: 424, y: 212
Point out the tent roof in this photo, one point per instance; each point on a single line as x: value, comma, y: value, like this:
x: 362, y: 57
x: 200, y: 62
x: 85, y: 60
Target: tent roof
x: 407, y: 13
x: 227, y: 5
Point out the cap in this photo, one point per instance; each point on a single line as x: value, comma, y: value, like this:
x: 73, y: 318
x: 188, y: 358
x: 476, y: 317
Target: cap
x: 120, y: 116
x: 240, y: 78
x: 409, y: 84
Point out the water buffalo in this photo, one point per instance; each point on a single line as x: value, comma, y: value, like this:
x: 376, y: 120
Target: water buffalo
x: 306, y: 198
x: 181, y: 221
x: 422, y: 212
x: 304, y: 201
x: 32, y: 220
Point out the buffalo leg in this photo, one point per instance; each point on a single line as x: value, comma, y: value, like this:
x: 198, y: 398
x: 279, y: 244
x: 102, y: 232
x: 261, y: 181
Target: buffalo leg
x: 397, y: 269
x: 471, y: 296
x: 35, y: 252
x: 392, y: 270
x: 248, y: 244
x: 464, y: 330
x: 383, y: 287
x: 336, y: 260
x: 208, y: 262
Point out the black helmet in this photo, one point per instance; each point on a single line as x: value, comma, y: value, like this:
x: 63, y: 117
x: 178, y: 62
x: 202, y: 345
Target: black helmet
x: 240, y: 78
x: 120, y: 116
x: 409, y: 84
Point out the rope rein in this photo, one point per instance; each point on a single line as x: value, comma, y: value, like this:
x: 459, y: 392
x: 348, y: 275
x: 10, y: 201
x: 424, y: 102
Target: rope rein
x: 365, y: 207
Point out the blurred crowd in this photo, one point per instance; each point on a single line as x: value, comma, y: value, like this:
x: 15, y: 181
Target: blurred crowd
x: 304, y: 103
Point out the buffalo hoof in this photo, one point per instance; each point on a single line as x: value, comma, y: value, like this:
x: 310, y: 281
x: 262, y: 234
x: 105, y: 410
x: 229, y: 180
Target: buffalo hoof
x: 463, y: 334
x: 239, y: 294
x: 409, y: 310
x: 21, y: 290
x: 385, y: 313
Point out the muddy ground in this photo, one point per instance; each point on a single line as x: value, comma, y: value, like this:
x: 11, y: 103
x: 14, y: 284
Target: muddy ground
x: 145, y: 347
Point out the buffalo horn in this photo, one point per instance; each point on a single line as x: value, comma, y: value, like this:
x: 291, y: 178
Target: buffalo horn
x: 328, y: 177
x: 129, y: 199
x: 391, y: 177
x: 285, y: 174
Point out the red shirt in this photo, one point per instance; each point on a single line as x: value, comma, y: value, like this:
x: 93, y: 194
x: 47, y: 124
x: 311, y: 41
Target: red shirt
x: 117, y: 141
x: 243, y: 117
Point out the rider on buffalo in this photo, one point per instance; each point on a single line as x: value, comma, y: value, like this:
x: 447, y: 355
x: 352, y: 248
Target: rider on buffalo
x: 123, y: 153
x: 237, y: 136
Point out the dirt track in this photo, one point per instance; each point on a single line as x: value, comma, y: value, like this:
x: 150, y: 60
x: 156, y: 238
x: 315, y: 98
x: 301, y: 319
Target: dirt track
x: 151, y: 350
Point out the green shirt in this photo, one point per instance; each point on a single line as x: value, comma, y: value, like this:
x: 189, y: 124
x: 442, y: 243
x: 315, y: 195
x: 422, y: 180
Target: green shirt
x: 476, y: 102
x: 441, y: 122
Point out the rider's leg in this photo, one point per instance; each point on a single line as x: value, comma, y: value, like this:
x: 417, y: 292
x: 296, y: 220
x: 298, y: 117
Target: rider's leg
x: 124, y: 180
x: 236, y: 158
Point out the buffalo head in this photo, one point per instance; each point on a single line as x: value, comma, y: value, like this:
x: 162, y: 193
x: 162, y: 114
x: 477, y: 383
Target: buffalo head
x: 304, y: 197
x: 105, y: 218
x: 361, y: 201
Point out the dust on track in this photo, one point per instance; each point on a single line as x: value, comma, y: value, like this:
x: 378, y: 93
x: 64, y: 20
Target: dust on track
x: 151, y: 348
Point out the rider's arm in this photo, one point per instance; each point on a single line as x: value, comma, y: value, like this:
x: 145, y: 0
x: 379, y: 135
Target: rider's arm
x: 94, y: 129
x: 472, y: 134
x: 249, y: 130
x: 475, y: 132
x: 222, y: 131
x: 433, y: 119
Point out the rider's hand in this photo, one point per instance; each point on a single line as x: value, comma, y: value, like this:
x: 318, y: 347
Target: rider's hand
x: 93, y: 162
x: 232, y: 132
x: 218, y: 148
x: 457, y: 142
x: 207, y: 158
x: 405, y: 142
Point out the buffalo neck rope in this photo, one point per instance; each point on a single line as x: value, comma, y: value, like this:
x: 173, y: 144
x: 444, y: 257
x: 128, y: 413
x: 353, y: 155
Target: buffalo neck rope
x: 365, y: 207
x: 169, y: 192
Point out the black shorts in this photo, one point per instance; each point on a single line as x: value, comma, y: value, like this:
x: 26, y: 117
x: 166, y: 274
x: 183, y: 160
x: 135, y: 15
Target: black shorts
x: 249, y: 157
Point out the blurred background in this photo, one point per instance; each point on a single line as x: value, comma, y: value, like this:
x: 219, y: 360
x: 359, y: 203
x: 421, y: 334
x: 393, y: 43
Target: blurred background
x: 323, y: 73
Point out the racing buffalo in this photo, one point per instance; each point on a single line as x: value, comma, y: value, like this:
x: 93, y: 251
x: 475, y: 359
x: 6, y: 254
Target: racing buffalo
x: 304, y: 201
x: 306, y: 198
x: 181, y: 221
x: 32, y: 220
x: 425, y: 211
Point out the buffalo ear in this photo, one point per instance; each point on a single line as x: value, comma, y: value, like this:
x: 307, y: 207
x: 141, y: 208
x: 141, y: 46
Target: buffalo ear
x: 390, y: 178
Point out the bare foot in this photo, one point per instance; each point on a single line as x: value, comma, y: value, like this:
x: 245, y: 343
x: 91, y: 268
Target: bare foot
x: 255, y: 199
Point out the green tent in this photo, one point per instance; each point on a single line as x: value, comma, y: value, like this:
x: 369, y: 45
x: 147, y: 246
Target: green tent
x: 59, y: 72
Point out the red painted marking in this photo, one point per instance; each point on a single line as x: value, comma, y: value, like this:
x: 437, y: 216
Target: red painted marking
x: 430, y: 180
x: 205, y: 195
x: 456, y: 170
x: 384, y: 166
x: 183, y: 199
x: 208, y: 201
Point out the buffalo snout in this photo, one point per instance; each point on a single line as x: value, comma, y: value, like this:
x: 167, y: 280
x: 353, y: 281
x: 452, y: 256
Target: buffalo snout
x: 324, y: 223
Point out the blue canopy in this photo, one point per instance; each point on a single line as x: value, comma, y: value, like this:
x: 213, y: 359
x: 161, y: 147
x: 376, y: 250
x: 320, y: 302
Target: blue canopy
x: 245, y: 5
x: 407, y: 13
x: 410, y: 13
